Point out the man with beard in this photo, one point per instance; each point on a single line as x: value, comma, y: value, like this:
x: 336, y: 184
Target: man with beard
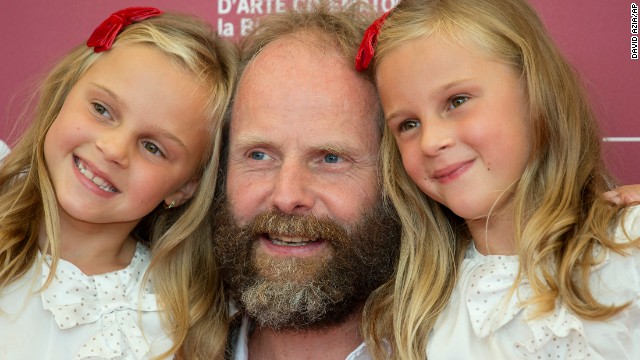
x: 303, y: 233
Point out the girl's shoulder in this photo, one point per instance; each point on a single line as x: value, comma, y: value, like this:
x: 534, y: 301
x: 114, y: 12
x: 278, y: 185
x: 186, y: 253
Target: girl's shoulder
x: 4, y: 150
x: 486, y: 305
x: 111, y: 315
x: 628, y: 228
x: 616, y: 280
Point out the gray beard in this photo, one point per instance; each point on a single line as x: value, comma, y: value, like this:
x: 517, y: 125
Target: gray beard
x: 287, y: 304
x: 304, y: 293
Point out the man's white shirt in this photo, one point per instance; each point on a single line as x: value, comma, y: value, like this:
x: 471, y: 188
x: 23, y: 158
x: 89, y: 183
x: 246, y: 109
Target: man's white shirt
x: 241, y: 346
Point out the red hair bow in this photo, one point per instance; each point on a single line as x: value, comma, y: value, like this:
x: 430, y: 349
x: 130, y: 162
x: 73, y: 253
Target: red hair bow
x: 105, y: 34
x: 368, y: 44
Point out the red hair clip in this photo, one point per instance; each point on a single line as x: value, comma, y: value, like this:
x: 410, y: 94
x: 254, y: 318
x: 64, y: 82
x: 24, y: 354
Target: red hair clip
x: 105, y: 34
x: 368, y: 44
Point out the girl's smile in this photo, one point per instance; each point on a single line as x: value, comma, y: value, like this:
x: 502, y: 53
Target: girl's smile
x: 100, y: 182
x: 451, y: 172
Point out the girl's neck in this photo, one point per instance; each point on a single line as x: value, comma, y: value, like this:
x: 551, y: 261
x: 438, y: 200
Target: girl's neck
x: 494, y: 235
x: 94, y: 248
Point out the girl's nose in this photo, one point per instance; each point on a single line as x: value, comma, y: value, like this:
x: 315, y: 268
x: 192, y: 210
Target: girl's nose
x: 436, y: 137
x: 114, y: 146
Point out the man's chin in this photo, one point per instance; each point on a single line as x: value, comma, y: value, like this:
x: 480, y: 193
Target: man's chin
x: 290, y: 269
x: 294, y: 305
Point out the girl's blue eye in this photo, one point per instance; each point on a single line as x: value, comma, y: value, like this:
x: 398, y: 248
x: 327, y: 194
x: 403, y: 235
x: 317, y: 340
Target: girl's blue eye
x: 102, y: 110
x: 409, y: 124
x: 456, y: 101
x: 332, y: 158
x: 152, y: 148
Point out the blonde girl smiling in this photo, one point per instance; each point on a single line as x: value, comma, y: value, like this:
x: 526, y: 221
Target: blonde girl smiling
x: 119, y: 164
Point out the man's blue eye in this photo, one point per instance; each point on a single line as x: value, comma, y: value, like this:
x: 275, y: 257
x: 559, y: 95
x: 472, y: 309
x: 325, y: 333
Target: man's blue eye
x: 257, y: 155
x: 332, y: 158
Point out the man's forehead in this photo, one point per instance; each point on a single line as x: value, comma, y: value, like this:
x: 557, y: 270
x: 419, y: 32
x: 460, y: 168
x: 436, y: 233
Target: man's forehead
x: 290, y: 75
x: 314, y: 43
x: 305, y: 58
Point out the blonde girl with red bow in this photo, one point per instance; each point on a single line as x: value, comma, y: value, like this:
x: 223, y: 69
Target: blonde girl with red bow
x: 104, y: 249
x: 492, y: 158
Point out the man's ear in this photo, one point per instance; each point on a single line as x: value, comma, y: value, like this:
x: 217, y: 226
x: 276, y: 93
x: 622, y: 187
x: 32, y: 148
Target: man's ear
x: 184, y: 193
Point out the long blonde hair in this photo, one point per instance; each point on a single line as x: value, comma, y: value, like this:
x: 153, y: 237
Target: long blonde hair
x: 560, y: 217
x: 183, y: 269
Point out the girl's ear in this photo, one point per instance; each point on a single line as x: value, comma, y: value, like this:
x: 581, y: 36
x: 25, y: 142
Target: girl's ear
x: 183, y: 194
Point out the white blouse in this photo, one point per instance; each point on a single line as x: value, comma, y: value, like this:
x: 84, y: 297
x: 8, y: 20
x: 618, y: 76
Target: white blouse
x: 4, y: 150
x: 482, y: 322
x: 107, y: 316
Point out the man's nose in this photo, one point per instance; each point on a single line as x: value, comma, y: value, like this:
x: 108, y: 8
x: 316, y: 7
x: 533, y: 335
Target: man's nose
x: 293, y: 190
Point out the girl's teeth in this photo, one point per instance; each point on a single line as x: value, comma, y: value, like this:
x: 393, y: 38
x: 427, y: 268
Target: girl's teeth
x: 98, y: 181
x: 102, y: 184
x: 107, y: 188
x: 87, y: 173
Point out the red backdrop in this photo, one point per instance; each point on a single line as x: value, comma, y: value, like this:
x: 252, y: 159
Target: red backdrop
x: 596, y: 37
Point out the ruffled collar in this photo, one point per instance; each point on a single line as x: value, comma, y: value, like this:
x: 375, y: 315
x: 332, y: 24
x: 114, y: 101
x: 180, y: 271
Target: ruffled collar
x: 491, y: 305
x: 114, y: 299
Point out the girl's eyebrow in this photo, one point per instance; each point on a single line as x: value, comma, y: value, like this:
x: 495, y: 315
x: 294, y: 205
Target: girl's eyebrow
x: 113, y: 95
x: 169, y: 136
x: 439, y: 90
x: 121, y: 104
x: 391, y: 116
x: 452, y: 85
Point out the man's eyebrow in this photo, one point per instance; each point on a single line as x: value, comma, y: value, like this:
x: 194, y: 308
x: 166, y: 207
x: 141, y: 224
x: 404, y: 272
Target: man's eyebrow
x: 331, y: 148
x: 249, y: 141
x: 246, y: 141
